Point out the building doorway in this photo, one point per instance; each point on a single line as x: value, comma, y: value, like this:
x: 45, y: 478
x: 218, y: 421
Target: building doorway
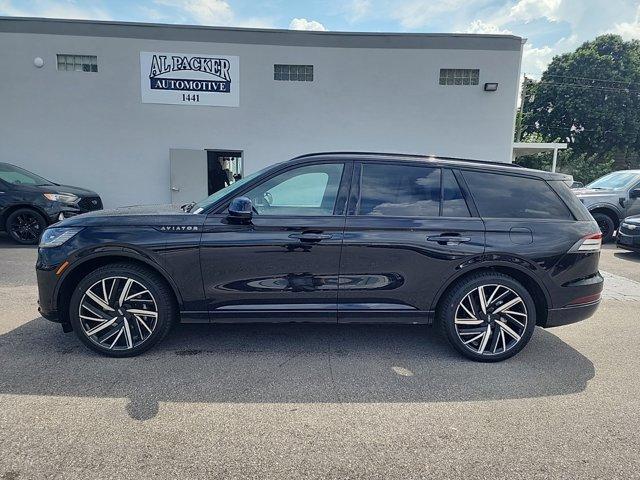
x: 223, y: 168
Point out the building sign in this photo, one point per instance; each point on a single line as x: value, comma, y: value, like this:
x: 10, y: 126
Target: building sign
x: 183, y: 79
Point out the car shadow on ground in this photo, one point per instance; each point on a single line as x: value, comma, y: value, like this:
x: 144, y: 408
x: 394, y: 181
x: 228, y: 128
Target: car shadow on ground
x: 628, y: 255
x: 7, y: 242
x: 299, y: 363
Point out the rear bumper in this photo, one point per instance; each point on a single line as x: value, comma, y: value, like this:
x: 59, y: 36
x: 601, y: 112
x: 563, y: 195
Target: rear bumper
x: 572, y: 314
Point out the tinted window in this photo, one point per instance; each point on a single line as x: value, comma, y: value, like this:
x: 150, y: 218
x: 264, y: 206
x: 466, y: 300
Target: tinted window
x: 453, y: 203
x: 508, y: 196
x: 310, y: 190
x: 19, y: 176
x: 399, y: 190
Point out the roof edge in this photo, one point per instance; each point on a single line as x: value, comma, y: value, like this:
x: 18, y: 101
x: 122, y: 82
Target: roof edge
x: 223, y: 34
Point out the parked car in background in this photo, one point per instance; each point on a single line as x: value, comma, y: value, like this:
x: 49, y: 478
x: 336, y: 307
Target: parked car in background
x: 575, y: 184
x: 611, y: 198
x: 629, y: 234
x: 486, y: 251
x: 29, y: 203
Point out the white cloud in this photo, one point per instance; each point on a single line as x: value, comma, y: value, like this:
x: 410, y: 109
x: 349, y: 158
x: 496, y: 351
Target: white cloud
x: 479, y: 26
x: 54, y: 9
x: 535, y: 60
x: 628, y: 30
x: 304, y: 24
x: 358, y: 9
x: 417, y: 13
x: 209, y: 12
x: 527, y: 10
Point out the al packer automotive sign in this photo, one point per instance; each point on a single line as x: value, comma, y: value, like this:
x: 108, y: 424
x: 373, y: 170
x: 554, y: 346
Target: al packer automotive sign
x: 184, y: 79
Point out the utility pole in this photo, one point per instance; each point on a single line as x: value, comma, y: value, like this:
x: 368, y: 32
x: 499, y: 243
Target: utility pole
x: 523, y: 95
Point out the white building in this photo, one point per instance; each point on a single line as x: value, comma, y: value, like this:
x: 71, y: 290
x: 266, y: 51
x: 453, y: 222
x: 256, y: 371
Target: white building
x: 121, y: 107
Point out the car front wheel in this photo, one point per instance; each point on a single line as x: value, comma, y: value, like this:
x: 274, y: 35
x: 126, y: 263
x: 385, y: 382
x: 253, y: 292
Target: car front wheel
x: 122, y: 310
x: 25, y: 226
x: 488, y: 317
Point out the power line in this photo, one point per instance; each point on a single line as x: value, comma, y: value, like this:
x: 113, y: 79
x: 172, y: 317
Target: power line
x: 591, y: 79
x: 576, y: 85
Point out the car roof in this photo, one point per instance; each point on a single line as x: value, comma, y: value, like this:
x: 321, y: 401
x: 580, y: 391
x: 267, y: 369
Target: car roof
x: 438, y: 160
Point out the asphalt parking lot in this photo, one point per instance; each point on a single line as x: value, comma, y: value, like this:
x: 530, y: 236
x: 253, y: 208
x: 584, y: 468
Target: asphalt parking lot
x: 309, y: 401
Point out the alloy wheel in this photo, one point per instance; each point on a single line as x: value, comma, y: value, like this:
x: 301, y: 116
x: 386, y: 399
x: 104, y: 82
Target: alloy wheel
x: 118, y: 313
x: 26, y: 227
x: 491, y: 319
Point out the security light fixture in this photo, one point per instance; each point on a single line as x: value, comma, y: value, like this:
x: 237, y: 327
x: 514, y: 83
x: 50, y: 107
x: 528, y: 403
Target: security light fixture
x: 490, y: 87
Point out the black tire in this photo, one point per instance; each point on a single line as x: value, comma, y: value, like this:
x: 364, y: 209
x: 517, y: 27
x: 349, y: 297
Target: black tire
x: 25, y: 226
x: 450, y: 304
x: 160, y: 293
x: 607, y: 227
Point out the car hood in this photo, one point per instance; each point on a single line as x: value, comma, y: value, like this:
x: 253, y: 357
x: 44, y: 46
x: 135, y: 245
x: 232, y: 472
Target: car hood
x: 55, y: 188
x: 594, y: 192
x: 142, y: 215
x: 634, y: 219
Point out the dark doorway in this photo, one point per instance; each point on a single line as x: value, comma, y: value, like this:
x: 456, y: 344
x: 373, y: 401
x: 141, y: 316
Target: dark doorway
x: 223, y: 168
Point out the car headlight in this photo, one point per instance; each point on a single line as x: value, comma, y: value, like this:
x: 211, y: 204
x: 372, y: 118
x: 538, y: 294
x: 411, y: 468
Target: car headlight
x: 61, y: 197
x: 56, y: 236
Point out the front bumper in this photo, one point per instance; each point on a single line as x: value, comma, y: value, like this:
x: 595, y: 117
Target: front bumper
x: 47, y: 280
x: 628, y: 242
x: 572, y: 314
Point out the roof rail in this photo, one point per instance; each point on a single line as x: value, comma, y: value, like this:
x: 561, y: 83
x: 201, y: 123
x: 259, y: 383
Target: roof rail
x: 411, y: 155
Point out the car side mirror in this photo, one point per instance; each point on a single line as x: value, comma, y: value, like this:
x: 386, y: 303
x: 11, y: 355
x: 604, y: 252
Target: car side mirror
x: 635, y: 193
x: 241, y: 208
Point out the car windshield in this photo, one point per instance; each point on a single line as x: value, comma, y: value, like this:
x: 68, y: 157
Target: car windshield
x: 211, y: 199
x: 20, y: 176
x: 615, y: 181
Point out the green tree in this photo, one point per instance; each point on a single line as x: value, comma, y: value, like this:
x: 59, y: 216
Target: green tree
x: 590, y: 99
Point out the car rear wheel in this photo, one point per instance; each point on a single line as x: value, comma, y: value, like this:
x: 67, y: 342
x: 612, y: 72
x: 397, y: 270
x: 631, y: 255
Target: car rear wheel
x: 25, y: 226
x: 488, y: 317
x: 122, y: 310
x: 606, y: 225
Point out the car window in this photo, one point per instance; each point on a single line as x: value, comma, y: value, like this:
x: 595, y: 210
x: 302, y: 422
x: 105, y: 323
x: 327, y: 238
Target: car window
x: 510, y: 196
x: 453, y: 203
x: 19, y: 176
x: 399, y: 190
x: 615, y: 181
x: 308, y: 190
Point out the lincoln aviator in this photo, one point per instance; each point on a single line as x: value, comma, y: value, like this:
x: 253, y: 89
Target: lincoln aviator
x: 484, y: 251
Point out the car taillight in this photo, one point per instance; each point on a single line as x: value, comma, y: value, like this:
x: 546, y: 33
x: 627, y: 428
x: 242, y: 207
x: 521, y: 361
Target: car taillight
x: 588, y: 244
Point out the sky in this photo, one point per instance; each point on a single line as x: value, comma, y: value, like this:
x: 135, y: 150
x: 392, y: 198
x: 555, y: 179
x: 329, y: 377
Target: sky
x: 551, y: 27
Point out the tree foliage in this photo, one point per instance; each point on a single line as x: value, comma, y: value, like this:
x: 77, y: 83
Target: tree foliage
x: 590, y: 99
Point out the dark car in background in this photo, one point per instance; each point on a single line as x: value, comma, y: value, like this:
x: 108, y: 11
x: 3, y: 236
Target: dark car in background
x: 29, y: 203
x: 611, y: 198
x: 486, y: 251
x: 628, y: 236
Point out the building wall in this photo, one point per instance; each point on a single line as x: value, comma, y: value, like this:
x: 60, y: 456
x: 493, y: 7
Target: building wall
x: 91, y: 129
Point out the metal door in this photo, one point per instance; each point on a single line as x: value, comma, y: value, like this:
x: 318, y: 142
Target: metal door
x: 188, y: 175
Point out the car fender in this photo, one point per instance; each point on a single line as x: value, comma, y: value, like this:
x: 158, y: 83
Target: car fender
x: 494, y: 260
x: 6, y: 211
x: 120, y: 252
x: 609, y: 206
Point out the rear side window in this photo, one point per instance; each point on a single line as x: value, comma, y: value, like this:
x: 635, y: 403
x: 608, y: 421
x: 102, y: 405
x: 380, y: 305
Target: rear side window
x: 453, y: 203
x: 399, y: 190
x: 578, y: 209
x: 509, y: 196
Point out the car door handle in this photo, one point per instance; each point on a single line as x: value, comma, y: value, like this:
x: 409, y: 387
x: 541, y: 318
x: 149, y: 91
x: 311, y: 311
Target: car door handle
x: 449, y: 239
x: 311, y: 237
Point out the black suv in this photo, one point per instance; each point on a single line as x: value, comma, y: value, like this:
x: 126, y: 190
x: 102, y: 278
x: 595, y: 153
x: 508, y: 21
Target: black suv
x: 28, y: 203
x: 486, y: 251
